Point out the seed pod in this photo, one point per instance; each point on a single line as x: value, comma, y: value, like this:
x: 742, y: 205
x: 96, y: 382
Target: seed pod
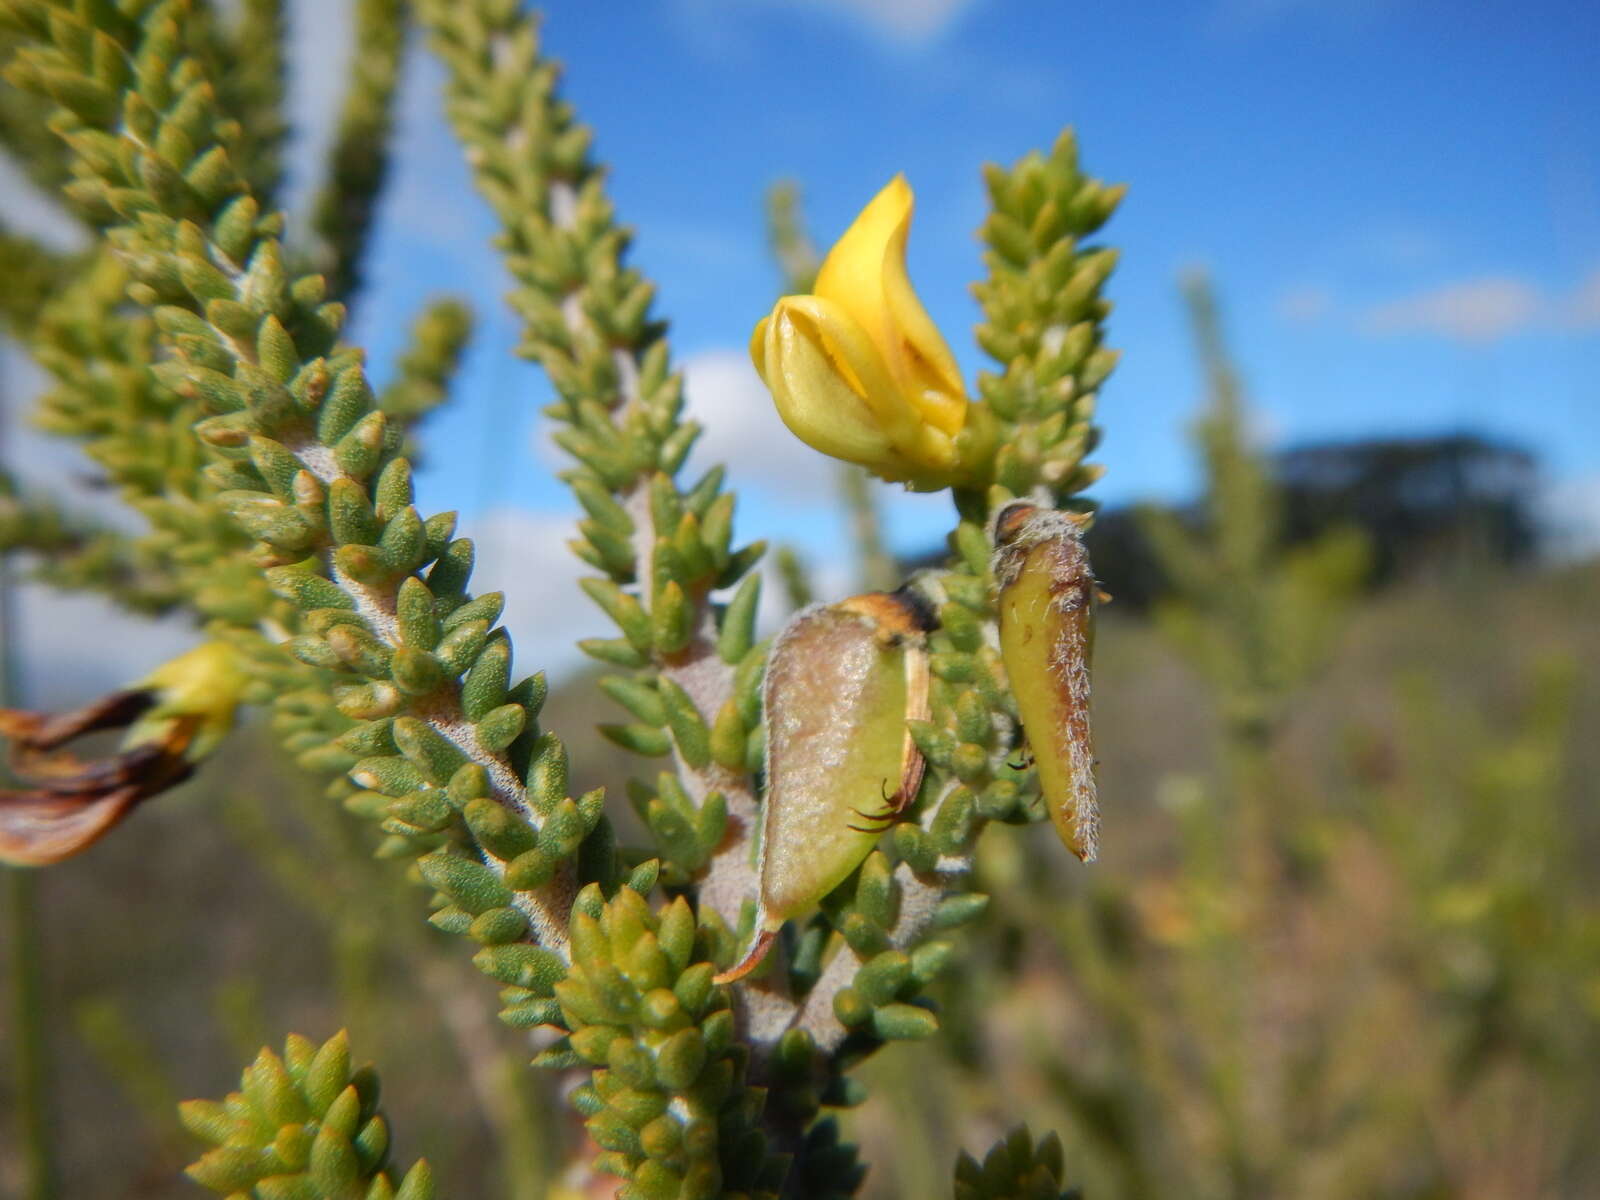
x: 1047, y: 599
x: 842, y: 682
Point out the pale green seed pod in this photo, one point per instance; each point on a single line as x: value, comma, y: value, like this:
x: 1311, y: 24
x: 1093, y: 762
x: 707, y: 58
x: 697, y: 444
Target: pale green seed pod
x: 1047, y: 596
x: 842, y: 681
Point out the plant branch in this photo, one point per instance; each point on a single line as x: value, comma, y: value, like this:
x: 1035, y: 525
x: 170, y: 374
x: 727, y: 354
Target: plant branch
x: 304, y: 463
x: 358, y: 160
x: 663, y: 549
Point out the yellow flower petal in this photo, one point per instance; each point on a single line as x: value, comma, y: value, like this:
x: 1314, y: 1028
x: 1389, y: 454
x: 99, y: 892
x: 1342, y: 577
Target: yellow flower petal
x: 758, y: 347
x: 204, y: 683
x: 836, y: 394
x: 865, y: 273
x: 857, y: 369
x: 829, y: 384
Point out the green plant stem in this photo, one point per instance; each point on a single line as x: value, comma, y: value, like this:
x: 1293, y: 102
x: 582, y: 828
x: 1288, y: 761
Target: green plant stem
x: 875, y: 566
x: 795, y: 576
x: 31, y: 1059
x: 105, y: 1026
x: 499, y: 1082
x: 24, y: 965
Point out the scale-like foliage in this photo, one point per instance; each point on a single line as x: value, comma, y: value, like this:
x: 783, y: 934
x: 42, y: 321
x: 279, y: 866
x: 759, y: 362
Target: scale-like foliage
x: 301, y: 1126
x: 1016, y: 1168
x: 301, y: 459
x: 205, y: 372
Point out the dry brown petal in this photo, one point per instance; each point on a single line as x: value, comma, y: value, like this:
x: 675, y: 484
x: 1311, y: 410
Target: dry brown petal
x: 73, y: 803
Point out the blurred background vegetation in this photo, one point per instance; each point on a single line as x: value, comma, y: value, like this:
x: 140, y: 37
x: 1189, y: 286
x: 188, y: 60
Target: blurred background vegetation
x: 1344, y: 939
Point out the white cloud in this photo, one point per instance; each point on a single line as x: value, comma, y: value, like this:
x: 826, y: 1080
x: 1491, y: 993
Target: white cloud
x: 1305, y: 305
x: 430, y: 198
x: 743, y: 431
x: 1489, y: 308
x: 909, y: 21
x: 525, y: 555
x: 39, y: 461
x: 69, y: 646
x: 740, y: 429
x: 829, y: 580
x: 72, y: 646
x: 906, y: 23
x: 1475, y: 310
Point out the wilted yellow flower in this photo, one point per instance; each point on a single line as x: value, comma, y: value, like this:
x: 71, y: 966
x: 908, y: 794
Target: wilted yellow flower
x: 857, y: 369
x: 174, y: 718
x: 200, y: 687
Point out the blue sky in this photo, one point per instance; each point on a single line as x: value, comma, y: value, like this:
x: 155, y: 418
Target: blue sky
x: 1399, y: 202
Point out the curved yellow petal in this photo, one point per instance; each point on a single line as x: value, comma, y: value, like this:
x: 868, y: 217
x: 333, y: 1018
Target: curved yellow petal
x: 852, y: 273
x: 865, y: 273
x: 857, y: 357
x: 825, y: 378
x: 758, y: 347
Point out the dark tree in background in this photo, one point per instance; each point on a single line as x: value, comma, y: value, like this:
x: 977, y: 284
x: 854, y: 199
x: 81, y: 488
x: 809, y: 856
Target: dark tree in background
x: 1425, y: 504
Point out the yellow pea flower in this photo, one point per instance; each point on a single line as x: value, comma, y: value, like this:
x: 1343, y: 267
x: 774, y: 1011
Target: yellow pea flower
x: 857, y: 369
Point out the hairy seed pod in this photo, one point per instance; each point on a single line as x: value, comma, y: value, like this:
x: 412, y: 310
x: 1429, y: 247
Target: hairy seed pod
x: 842, y: 681
x: 1047, y: 600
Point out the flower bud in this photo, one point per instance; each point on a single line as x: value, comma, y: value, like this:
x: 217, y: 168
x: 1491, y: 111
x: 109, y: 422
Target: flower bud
x: 1047, y: 598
